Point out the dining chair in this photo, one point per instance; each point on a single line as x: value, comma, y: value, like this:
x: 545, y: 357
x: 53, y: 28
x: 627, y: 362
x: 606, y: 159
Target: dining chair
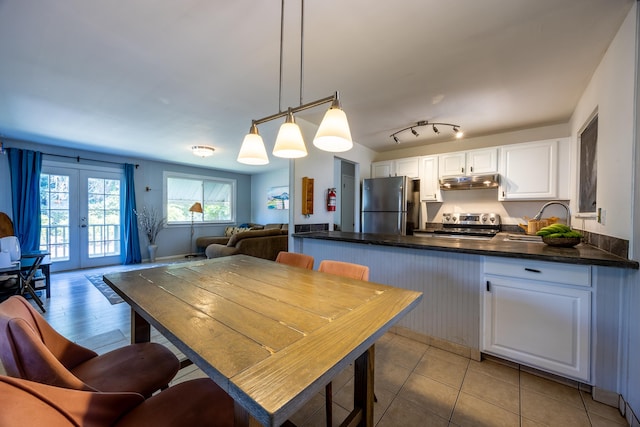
x: 31, y: 349
x: 199, y: 402
x: 295, y: 259
x: 353, y: 271
x: 346, y: 269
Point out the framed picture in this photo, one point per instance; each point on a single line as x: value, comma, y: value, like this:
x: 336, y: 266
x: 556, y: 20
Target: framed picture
x: 278, y: 197
x: 588, y: 184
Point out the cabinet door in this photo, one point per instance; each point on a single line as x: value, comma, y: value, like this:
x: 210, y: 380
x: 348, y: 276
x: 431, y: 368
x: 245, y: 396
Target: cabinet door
x: 429, y: 185
x: 452, y: 164
x: 382, y: 169
x: 408, y: 167
x: 542, y: 325
x: 482, y: 161
x: 529, y: 171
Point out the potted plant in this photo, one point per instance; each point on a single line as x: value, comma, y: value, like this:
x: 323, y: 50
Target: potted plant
x: 151, y: 223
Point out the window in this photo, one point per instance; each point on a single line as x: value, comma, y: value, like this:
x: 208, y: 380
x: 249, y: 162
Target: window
x: 217, y: 196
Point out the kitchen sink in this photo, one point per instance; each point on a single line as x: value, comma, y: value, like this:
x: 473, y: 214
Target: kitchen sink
x: 522, y: 238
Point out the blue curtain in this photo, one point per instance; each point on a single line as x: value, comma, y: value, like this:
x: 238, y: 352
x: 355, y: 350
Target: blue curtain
x: 25, y: 167
x: 130, y: 238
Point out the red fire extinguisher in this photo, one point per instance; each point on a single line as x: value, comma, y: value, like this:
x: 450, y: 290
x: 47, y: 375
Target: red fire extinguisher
x: 331, y: 200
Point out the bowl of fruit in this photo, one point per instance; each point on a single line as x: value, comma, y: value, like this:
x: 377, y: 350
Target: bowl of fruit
x: 559, y: 235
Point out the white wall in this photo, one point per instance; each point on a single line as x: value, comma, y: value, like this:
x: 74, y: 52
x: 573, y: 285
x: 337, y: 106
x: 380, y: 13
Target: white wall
x: 471, y: 143
x: 173, y: 240
x: 610, y: 93
x: 319, y: 165
x: 260, y: 185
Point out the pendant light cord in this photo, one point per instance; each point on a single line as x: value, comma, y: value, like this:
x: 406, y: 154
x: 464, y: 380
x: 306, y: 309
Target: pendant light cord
x: 301, y: 52
x: 281, y: 42
x: 301, y: 47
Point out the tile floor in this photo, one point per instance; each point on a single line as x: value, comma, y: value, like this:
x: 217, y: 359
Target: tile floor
x: 420, y: 385
x: 415, y: 384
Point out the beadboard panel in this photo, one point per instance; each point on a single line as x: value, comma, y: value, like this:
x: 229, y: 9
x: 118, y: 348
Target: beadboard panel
x: 608, y: 284
x: 450, y: 282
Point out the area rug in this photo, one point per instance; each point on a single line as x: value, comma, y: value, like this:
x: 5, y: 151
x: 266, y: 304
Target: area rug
x: 96, y: 280
x: 114, y: 298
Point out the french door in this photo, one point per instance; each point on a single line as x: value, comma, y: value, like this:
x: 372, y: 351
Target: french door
x: 80, y: 216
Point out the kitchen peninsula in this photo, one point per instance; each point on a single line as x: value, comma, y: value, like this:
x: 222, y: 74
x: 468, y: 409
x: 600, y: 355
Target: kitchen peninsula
x: 463, y: 280
x: 500, y: 245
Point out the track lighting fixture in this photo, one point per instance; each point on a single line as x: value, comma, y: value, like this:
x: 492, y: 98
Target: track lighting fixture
x: 455, y: 128
x: 333, y: 133
x: 459, y: 133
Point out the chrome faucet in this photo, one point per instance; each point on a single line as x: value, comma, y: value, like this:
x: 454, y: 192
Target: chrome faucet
x: 555, y: 202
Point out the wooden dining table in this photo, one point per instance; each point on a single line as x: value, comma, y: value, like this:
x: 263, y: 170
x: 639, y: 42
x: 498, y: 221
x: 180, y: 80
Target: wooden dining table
x: 271, y: 335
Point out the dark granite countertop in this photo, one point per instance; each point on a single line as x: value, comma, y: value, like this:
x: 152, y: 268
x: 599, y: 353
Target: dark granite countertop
x: 497, y: 246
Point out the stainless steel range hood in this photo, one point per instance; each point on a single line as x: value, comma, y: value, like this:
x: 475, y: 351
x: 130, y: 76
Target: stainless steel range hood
x: 474, y: 182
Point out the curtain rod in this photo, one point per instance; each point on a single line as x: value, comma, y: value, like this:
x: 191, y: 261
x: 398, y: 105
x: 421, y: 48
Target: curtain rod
x: 78, y: 158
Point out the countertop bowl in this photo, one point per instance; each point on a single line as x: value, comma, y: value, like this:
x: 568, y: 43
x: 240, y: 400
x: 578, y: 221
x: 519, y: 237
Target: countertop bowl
x: 564, y: 242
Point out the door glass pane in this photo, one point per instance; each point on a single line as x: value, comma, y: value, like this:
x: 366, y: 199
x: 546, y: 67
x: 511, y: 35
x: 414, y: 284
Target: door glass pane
x: 103, y: 207
x: 54, y: 216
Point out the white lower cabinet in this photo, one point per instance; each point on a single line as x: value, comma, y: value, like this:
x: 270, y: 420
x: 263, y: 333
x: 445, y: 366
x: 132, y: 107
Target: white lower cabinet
x: 538, y: 314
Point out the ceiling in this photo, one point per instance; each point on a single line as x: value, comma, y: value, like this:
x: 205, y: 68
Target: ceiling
x: 149, y: 79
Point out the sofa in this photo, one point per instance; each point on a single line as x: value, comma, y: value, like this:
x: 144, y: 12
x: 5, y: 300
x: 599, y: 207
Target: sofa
x: 204, y: 241
x: 265, y: 243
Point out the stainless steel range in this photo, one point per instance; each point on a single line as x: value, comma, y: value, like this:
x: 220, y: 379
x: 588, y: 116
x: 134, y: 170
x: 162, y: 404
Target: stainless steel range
x: 482, y: 225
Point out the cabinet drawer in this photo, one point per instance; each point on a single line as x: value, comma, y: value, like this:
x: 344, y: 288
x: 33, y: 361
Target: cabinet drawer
x: 569, y: 274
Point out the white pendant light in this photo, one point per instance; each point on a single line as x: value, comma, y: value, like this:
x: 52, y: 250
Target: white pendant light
x: 289, y: 143
x: 252, y: 151
x: 334, y: 134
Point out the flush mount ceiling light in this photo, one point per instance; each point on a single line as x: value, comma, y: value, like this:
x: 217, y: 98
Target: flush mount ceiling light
x: 456, y: 129
x: 333, y: 133
x: 202, y: 150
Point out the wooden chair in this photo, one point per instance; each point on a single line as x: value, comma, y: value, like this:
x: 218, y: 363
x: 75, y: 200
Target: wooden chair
x: 353, y: 271
x: 31, y: 349
x: 198, y: 402
x: 295, y: 259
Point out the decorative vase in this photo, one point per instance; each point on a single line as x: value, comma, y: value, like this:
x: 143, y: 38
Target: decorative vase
x: 152, y: 252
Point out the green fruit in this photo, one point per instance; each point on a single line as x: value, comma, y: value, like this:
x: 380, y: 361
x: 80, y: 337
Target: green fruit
x: 572, y: 233
x: 556, y: 228
x: 543, y: 232
x: 554, y: 235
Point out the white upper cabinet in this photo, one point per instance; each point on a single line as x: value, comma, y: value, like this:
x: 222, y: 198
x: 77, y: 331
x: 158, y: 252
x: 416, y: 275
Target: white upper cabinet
x: 474, y: 162
x: 429, y: 185
x: 383, y: 169
x: 529, y: 171
x: 400, y: 167
x: 408, y: 167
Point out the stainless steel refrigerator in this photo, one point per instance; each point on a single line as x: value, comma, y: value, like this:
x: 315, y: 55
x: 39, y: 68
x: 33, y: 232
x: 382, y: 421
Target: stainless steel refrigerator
x: 388, y: 205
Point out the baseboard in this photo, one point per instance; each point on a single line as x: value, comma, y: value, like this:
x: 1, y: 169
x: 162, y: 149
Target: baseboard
x: 627, y: 412
x: 460, y: 350
x: 605, y: 396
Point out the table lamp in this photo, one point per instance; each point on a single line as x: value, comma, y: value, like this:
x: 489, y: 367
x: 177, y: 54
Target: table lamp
x: 196, y: 207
